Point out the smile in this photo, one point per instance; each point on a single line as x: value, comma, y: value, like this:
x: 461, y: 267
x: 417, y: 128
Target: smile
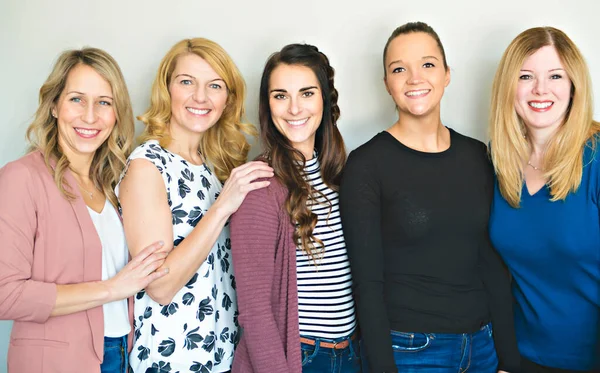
x: 540, y: 105
x: 419, y: 93
x: 298, y: 122
x: 198, y: 111
x: 86, y: 132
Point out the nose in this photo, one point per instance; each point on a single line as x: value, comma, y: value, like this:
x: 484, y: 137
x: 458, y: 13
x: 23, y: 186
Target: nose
x: 199, y: 94
x: 294, y: 106
x: 540, y: 87
x: 414, y: 76
x: 89, y: 113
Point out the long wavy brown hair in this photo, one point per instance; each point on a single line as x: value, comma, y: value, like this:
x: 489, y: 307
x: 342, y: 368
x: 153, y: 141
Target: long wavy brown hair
x: 288, y: 163
x: 42, y: 134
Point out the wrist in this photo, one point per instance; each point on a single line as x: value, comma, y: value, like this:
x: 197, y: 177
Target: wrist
x: 107, y: 292
x: 219, y: 211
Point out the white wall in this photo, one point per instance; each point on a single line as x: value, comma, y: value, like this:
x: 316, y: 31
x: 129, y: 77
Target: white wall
x: 351, y: 32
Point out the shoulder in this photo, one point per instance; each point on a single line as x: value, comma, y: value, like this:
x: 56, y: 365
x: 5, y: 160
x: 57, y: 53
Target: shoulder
x: 22, y: 169
x: 468, y: 143
x: 373, y: 147
x: 273, y: 196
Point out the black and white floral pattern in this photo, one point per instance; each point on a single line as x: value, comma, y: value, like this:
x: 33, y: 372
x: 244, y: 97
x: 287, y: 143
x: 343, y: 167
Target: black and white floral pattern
x: 198, y: 330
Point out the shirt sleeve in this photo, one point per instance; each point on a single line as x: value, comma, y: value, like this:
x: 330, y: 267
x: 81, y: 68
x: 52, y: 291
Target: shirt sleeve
x: 254, y: 240
x: 496, y: 280
x: 21, y: 297
x: 360, y: 208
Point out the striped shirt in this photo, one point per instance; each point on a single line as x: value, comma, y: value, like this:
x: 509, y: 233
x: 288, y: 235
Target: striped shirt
x: 325, y: 302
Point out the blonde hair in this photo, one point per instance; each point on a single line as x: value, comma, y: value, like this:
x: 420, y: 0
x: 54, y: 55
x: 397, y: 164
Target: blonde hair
x: 224, y: 145
x: 42, y: 134
x: 510, y: 147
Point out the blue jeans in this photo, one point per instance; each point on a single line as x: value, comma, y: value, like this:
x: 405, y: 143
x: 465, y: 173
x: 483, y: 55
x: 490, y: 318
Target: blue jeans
x: 445, y: 353
x: 115, y: 355
x: 317, y: 359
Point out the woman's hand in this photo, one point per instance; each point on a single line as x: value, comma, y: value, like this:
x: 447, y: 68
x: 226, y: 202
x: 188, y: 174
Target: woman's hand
x: 240, y: 183
x: 138, y: 273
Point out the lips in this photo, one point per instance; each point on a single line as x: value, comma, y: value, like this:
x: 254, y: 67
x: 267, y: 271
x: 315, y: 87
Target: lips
x: 540, y: 106
x: 198, y: 111
x: 86, y: 133
x: 417, y: 93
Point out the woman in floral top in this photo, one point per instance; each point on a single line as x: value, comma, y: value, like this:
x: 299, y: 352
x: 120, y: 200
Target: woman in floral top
x: 172, y: 191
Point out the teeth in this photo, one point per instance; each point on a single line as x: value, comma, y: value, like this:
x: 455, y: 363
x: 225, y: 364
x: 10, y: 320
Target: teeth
x: 84, y: 131
x: 297, y: 122
x: 197, y: 112
x: 417, y: 93
x: 540, y: 105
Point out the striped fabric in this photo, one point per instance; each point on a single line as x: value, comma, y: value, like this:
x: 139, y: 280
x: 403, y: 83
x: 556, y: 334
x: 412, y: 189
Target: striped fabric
x: 325, y: 302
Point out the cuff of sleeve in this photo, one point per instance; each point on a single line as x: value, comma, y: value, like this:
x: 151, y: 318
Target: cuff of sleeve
x: 40, y: 300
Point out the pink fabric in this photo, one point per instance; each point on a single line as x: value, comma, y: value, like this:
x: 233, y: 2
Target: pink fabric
x: 46, y: 240
x: 264, y: 262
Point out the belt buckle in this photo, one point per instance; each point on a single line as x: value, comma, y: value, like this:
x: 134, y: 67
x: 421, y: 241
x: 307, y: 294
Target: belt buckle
x: 335, y: 345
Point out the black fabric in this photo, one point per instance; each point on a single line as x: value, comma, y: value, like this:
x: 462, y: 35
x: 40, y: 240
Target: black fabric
x: 416, y: 230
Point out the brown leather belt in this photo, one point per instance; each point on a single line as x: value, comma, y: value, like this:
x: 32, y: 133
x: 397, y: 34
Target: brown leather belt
x: 336, y: 346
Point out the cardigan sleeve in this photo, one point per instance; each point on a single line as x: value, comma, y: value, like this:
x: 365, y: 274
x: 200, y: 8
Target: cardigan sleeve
x: 21, y: 297
x: 254, y: 242
x: 360, y: 208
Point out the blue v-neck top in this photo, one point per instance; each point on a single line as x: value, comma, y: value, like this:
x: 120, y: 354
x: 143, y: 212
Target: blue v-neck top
x: 553, y: 252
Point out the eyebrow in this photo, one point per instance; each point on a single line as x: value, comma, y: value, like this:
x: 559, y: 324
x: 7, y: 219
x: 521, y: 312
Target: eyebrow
x: 558, y: 68
x: 423, y: 58
x: 192, y: 77
x: 83, y: 94
x: 301, y: 89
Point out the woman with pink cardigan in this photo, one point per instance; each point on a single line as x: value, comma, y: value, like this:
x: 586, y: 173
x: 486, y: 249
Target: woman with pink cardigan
x: 64, y: 276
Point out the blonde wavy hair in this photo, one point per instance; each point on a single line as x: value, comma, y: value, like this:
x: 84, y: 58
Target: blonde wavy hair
x: 42, y: 134
x: 510, y: 146
x: 224, y: 145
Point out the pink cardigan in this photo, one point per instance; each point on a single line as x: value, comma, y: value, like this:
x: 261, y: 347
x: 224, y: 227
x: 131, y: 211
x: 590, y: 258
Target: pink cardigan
x: 46, y: 240
x: 264, y: 262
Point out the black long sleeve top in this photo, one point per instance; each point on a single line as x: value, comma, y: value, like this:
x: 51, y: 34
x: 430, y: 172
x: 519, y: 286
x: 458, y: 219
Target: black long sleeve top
x: 416, y: 230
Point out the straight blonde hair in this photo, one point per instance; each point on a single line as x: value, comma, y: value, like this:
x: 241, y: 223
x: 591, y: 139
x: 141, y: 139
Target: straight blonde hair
x: 224, y: 145
x: 42, y: 134
x: 510, y: 146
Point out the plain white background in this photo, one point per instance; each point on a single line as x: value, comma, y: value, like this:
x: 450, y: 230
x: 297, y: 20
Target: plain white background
x: 351, y: 33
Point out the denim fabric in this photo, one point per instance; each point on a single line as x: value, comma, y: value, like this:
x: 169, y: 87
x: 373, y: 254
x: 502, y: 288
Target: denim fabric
x: 444, y: 353
x: 317, y: 359
x: 115, y: 355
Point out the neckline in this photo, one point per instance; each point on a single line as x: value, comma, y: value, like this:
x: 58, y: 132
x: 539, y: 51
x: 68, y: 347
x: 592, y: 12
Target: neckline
x: 421, y: 153
x: 101, y: 211
x: 188, y: 163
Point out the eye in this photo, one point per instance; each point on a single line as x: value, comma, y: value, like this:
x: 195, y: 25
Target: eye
x: 556, y: 76
x: 308, y: 94
x: 186, y: 82
x: 398, y: 70
x: 215, y: 86
x: 75, y: 99
x: 428, y: 65
x: 526, y: 77
x: 105, y: 103
x: 279, y: 96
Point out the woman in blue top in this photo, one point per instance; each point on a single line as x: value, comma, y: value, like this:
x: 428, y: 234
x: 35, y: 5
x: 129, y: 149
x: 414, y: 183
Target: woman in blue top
x: 545, y: 216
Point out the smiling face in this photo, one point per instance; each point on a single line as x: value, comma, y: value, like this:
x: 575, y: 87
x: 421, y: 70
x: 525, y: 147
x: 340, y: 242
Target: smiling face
x: 84, y: 112
x: 543, y: 91
x: 415, y: 74
x: 296, y: 105
x: 198, y: 95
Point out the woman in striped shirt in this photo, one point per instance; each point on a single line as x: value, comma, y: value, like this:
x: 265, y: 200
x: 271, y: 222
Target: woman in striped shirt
x: 292, y: 271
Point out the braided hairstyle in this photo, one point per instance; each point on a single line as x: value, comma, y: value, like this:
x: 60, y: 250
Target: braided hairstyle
x: 288, y: 163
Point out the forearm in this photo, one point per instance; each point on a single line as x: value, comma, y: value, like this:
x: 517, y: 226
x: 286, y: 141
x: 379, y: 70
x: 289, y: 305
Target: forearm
x: 185, y: 259
x: 74, y: 298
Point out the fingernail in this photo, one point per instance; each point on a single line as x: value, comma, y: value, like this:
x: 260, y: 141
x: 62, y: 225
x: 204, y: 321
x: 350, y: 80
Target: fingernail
x: 166, y: 270
x: 160, y: 243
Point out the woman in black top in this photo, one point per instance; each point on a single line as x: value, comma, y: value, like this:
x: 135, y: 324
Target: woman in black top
x: 415, y: 202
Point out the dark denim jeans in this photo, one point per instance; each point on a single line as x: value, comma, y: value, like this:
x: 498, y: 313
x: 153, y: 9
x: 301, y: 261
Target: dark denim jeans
x: 317, y: 359
x: 115, y: 355
x: 443, y: 353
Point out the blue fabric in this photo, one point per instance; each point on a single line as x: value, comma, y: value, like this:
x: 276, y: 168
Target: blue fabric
x: 115, y: 355
x: 552, y: 250
x: 317, y: 359
x: 442, y: 353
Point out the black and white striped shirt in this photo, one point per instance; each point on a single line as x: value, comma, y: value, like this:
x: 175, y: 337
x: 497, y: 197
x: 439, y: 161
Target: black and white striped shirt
x: 325, y: 302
